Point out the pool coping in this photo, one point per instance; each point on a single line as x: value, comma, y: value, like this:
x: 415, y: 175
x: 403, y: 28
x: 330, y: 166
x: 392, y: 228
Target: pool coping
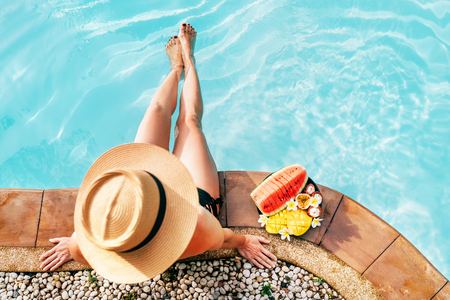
x: 350, y: 234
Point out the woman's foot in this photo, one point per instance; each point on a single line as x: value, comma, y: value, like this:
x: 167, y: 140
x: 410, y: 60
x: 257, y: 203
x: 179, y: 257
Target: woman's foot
x: 173, y: 51
x: 187, y: 38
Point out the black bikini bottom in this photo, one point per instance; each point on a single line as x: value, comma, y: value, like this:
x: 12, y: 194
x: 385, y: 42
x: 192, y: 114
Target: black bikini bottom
x: 209, y: 202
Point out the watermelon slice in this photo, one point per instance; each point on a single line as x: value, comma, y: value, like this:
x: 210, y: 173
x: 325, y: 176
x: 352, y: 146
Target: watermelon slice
x: 278, y: 188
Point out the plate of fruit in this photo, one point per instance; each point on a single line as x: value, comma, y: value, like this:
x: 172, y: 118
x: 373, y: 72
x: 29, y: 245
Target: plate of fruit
x: 289, y: 202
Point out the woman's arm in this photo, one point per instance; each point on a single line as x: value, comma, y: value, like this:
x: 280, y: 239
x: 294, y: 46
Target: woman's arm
x: 249, y: 246
x: 209, y: 235
x: 75, y: 250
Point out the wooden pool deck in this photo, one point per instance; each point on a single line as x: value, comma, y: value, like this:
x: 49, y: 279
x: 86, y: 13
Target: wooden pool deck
x: 29, y: 218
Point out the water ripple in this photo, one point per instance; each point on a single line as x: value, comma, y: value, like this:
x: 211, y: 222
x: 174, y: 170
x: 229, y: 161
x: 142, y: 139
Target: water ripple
x: 99, y: 28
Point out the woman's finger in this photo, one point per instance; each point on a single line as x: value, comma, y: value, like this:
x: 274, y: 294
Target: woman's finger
x: 54, y: 262
x: 263, y: 240
x: 265, y: 261
x: 55, y: 240
x: 260, y: 261
x: 271, y: 262
x: 48, y: 261
x: 256, y: 263
x: 263, y: 264
x: 269, y: 254
x: 60, y: 262
x: 46, y: 254
x: 45, y: 264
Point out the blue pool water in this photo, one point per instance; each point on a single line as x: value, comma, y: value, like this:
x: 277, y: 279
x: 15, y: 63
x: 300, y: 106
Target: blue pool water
x: 358, y: 92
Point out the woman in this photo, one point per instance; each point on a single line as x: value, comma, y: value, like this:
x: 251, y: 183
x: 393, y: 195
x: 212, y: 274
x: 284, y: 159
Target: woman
x: 192, y: 150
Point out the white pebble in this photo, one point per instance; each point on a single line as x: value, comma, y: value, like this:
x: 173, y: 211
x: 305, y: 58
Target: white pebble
x: 196, y: 281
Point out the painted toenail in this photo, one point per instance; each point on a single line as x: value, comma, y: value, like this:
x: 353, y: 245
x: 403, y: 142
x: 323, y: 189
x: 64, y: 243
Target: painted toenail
x: 184, y: 24
x: 175, y: 37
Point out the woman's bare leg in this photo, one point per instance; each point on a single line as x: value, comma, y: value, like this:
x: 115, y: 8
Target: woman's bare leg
x: 155, y: 127
x: 190, y: 143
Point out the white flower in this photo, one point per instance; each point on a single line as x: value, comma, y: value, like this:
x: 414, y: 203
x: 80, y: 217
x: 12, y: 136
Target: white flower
x: 314, y: 202
x: 316, y: 222
x: 292, y: 204
x: 285, y: 233
x: 263, y: 220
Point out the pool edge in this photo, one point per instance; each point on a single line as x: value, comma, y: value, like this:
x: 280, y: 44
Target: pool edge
x: 351, y: 233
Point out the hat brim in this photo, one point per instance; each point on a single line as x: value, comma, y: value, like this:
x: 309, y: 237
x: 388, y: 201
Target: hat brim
x: 176, y: 230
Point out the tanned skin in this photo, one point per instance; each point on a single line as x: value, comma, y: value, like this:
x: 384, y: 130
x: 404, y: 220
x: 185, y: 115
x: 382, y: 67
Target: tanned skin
x: 192, y: 149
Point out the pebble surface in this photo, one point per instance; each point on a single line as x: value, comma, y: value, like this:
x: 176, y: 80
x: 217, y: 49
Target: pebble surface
x: 317, y: 260
x: 226, y: 279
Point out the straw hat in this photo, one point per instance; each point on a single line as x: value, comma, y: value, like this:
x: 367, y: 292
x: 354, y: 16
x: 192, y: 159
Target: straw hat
x: 136, y: 212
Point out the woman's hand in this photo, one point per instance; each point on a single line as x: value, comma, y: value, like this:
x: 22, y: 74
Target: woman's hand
x: 57, y: 255
x: 256, y: 253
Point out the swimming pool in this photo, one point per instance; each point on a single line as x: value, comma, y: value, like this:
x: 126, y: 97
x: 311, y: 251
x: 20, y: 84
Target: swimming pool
x: 356, y: 92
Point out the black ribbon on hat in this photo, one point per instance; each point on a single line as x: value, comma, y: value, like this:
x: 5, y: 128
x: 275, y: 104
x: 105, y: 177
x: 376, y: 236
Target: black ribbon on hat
x: 159, y: 217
